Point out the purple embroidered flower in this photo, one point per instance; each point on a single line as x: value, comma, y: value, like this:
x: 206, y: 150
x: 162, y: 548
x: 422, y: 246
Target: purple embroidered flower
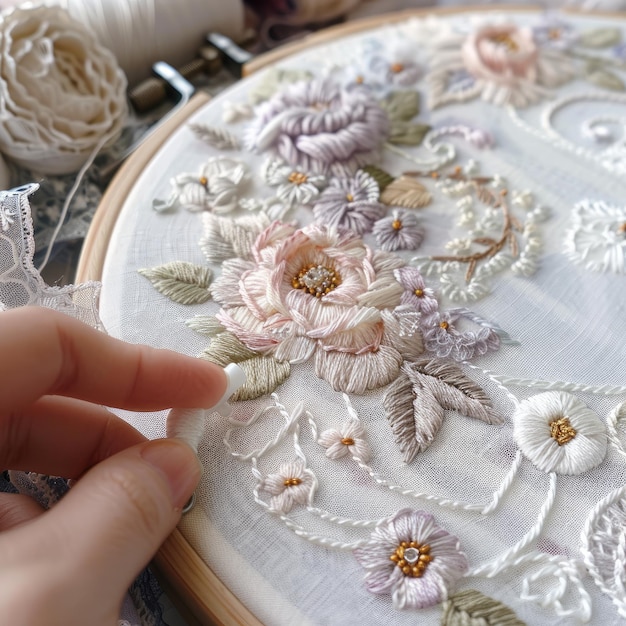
x: 400, y: 231
x: 350, y: 203
x: 443, y: 339
x: 348, y: 440
x: 416, y: 295
x: 293, y: 484
x: 555, y: 33
x: 320, y: 127
x: 412, y: 559
x: 398, y: 67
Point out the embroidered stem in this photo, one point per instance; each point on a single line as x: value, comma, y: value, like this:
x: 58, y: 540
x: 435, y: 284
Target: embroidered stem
x: 493, y: 568
x: 559, y: 385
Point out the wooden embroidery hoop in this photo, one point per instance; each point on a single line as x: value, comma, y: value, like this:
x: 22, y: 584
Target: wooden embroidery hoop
x: 196, y: 590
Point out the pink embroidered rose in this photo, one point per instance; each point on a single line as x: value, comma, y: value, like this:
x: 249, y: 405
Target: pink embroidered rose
x: 509, y: 64
x: 315, y: 292
x: 318, y: 126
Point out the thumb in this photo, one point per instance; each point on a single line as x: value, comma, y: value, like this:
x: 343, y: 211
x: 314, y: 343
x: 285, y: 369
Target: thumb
x: 114, y: 519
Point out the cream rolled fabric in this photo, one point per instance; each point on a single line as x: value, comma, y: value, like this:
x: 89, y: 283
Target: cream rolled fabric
x: 62, y: 94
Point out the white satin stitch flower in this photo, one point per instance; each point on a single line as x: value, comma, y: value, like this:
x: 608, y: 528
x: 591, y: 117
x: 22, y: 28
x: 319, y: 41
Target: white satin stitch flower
x: 348, y: 440
x: 596, y: 238
x: 214, y: 188
x: 558, y: 433
x: 292, y: 484
x: 295, y: 186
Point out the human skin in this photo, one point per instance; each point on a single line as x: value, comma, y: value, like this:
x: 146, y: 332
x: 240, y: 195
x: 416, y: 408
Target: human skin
x: 73, y: 563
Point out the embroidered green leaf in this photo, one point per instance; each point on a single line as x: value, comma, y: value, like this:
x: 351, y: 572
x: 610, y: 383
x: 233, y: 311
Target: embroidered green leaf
x: 380, y: 176
x: 600, y: 38
x: 181, y: 282
x: 406, y: 192
x: 263, y: 373
x: 219, y: 138
x: 205, y: 325
x: 605, y: 79
x: 227, y: 238
x: 402, y: 105
x: 415, y: 403
x: 225, y: 348
x: 408, y: 134
x: 272, y: 81
x: 472, y: 607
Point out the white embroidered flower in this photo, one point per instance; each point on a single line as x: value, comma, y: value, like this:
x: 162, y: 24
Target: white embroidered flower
x: 348, y: 440
x: 214, y: 188
x: 596, y: 238
x: 558, y: 433
x: 293, y: 484
x: 235, y: 111
x: 295, y: 185
x: 396, y: 67
x: 523, y: 199
x: 459, y: 246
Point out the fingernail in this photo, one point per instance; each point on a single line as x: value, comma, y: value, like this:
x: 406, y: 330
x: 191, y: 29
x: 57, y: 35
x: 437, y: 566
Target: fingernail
x: 236, y: 377
x: 179, y: 465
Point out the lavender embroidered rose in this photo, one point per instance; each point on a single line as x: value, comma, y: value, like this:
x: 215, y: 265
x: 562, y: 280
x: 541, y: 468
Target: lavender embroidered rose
x: 318, y: 126
x: 412, y: 559
x: 315, y: 292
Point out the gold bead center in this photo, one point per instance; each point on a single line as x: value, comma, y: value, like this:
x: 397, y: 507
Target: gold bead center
x: 396, y: 224
x: 444, y: 325
x: 298, y: 178
x: 292, y: 482
x: 504, y: 39
x: 203, y: 180
x: 412, y: 558
x: 318, y: 280
x: 396, y: 68
x: 562, y: 431
x: 419, y: 293
x: 347, y: 441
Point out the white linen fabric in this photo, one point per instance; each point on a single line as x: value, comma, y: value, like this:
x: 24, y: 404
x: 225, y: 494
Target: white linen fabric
x: 539, y: 516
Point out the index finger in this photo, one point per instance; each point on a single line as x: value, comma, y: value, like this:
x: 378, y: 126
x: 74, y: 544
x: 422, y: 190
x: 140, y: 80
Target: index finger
x: 43, y: 352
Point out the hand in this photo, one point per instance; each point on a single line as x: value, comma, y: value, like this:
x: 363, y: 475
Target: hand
x: 73, y: 563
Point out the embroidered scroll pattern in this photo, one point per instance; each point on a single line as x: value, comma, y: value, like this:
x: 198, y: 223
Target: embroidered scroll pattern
x: 322, y: 269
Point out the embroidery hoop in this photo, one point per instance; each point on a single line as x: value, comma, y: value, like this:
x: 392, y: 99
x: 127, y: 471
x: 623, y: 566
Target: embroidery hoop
x: 198, y: 588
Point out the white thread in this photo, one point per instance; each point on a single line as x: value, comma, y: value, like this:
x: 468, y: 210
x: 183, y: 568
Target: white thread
x: 504, y: 561
x: 612, y: 423
x: 447, y: 156
x: 598, y: 543
x: 141, y: 32
x: 559, y: 385
x: 186, y: 424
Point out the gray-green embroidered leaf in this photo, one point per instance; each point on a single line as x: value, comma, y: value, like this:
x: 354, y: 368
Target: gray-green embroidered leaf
x: 402, y: 105
x: 379, y: 175
x: 408, y: 134
x: 263, y: 375
x: 227, y: 238
x: 225, y: 348
x: 416, y: 401
x: 205, y: 325
x: 406, y: 192
x: 472, y: 607
x: 606, y: 79
x: 272, y: 80
x: 219, y: 138
x: 600, y: 38
x: 181, y: 282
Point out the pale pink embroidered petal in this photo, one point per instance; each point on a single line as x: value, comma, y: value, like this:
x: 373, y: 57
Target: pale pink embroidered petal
x: 292, y: 484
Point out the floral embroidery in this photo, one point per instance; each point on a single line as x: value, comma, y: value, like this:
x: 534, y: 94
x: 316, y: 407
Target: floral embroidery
x: 314, y: 292
x: 399, y: 231
x: 596, y: 238
x: 214, y: 188
x: 416, y: 295
x: 412, y: 559
x: 6, y: 214
x: 350, y: 203
x: 558, y: 433
x: 470, y: 606
x: 501, y: 63
x: 318, y: 126
x: 349, y: 440
x: 294, y: 185
x: 397, y: 67
x: 292, y: 484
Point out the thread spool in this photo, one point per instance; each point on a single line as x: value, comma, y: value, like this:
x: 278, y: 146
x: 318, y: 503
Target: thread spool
x: 141, y: 32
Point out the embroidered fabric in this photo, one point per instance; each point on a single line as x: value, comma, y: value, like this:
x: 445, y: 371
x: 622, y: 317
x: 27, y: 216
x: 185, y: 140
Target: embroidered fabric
x: 370, y: 473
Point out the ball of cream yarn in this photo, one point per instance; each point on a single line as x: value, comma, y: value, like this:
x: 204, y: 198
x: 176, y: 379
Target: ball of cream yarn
x: 61, y: 93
